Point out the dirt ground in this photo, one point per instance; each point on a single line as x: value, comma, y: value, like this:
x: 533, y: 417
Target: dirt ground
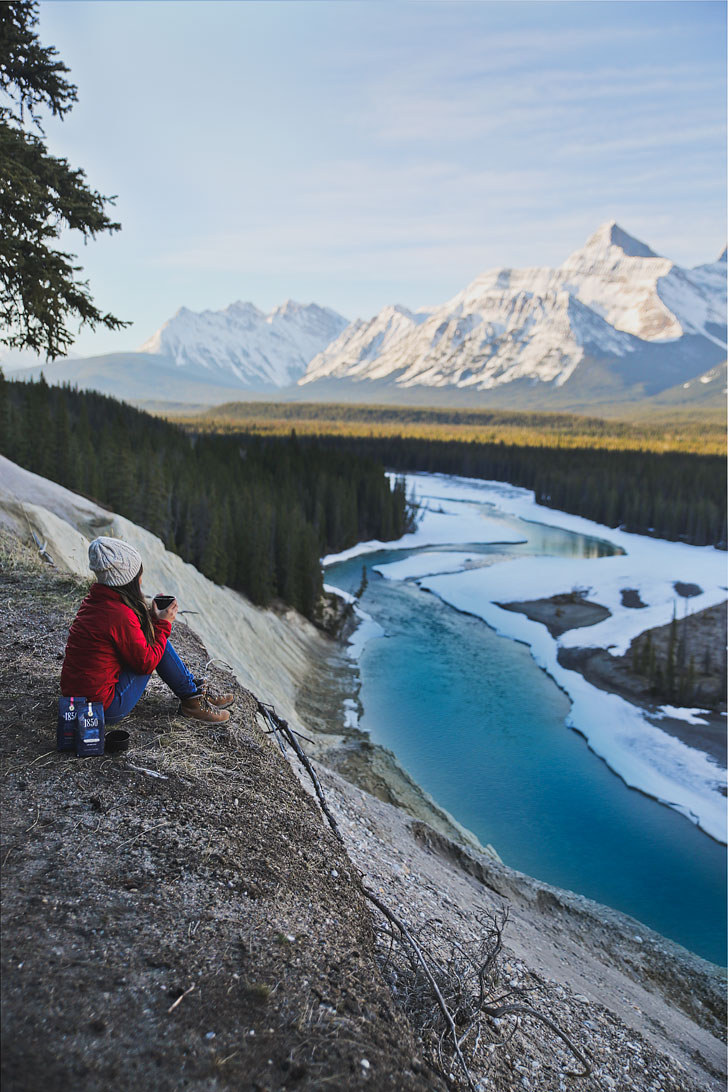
x: 192, y: 867
x: 180, y: 917
x: 560, y: 612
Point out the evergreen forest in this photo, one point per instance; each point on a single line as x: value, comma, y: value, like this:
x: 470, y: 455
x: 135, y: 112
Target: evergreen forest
x: 674, y: 495
x: 257, y: 511
x: 253, y: 513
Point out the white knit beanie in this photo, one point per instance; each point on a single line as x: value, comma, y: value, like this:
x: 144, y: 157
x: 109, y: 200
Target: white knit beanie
x: 114, y: 562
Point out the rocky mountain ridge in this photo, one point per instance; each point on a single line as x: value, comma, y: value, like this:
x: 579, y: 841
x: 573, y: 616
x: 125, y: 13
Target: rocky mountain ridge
x: 614, y: 324
x: 613, y: 302
x: 241, y: 345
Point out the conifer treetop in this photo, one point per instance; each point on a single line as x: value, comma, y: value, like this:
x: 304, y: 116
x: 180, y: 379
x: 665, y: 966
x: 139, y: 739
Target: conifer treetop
x: 40, y: 195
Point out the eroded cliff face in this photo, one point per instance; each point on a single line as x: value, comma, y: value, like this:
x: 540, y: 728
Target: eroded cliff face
x: 269, y: 651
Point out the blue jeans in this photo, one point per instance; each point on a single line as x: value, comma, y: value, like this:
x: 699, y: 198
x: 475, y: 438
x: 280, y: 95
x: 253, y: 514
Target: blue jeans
x: 131, y: 686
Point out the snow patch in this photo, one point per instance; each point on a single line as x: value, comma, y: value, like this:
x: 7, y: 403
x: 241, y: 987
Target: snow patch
x: 690, y: 716
x: 644, y: 756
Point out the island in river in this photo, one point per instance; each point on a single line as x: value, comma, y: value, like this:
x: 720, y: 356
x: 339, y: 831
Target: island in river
x: 701, y: 635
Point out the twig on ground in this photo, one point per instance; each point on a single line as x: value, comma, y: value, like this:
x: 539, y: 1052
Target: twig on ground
x: 229, y: 1057
x: 147, y: 830
x: 282, y: 726
x: 149, y: 773
x: 27, y: 765
x: 180, y: 999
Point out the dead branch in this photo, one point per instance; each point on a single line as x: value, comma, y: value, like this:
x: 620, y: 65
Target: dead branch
x: 526, y: 1010
x: 277, y: 724
x: 456, y: 1002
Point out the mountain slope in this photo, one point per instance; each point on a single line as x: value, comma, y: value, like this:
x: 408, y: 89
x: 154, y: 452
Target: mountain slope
x: 643, y: 321
x: 138, y: 377
x: 242, y: 346
x: 703, y: 391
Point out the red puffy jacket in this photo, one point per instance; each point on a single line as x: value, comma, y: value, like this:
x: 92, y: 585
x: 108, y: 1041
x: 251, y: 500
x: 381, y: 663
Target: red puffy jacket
x: 106, y: 637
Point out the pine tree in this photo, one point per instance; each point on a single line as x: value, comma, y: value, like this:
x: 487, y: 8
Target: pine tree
x: 7, y: 420
x: 40, y: 197
x: 156, y: 515
x: 64, y: 462
x: 670, y: 663
x: 363, y: 585
x: 214, y: 558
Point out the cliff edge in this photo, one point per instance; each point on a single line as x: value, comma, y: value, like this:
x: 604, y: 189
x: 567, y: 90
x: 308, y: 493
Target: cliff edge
x: 176, y: 916
x: 180, y: 915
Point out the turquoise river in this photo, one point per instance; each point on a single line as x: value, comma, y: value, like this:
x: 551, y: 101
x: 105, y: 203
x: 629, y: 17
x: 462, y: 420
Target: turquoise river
x: 478, y: 725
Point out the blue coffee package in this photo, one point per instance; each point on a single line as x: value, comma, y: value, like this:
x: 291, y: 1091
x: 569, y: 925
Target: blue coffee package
x: 68, y: 710
x: 90, y: 729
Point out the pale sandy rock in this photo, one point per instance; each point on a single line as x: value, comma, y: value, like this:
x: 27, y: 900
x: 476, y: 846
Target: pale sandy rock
x: 270, y: 652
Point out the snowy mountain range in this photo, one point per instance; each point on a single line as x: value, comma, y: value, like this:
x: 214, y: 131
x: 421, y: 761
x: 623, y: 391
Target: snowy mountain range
x: 242, y: 346
x: 614, y: 315
x: 615, y: 323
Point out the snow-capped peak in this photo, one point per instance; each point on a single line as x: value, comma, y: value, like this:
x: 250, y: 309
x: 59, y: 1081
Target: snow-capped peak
x: 241, y: 344
x: 610, y: 234
x: 288, y: 309
x: 609, y: 300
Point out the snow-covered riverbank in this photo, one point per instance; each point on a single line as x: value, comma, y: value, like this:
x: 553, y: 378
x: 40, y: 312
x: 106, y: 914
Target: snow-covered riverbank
x: 459, y: 511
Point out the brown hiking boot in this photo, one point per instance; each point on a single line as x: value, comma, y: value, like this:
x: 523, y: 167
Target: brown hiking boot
x: 198, y: 707
x: 220, y: 701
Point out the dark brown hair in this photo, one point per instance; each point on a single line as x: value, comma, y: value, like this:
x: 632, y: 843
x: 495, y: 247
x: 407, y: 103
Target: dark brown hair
x: 131, y: 595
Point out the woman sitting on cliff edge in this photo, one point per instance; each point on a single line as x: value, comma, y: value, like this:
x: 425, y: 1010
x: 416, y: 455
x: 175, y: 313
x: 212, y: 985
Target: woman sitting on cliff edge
x: 116, y: 641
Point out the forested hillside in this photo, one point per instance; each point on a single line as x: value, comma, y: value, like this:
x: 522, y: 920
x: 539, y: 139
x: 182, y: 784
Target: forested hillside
x: 672, y: 495
x: 667, y: 479
x: 253, y: 513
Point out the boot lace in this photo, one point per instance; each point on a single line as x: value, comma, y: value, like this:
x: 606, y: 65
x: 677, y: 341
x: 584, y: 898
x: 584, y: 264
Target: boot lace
x: 205, y: 702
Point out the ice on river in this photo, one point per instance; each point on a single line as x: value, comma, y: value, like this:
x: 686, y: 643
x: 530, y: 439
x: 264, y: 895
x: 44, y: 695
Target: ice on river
x: 431, y: 563
x: 644, y: 756
x: 446, y: 521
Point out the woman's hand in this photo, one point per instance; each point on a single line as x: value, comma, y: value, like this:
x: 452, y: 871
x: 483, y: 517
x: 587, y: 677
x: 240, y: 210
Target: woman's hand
x: 167, y: 615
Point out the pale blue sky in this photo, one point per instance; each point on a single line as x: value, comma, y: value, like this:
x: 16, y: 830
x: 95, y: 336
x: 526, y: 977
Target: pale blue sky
x: 362, y: 153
